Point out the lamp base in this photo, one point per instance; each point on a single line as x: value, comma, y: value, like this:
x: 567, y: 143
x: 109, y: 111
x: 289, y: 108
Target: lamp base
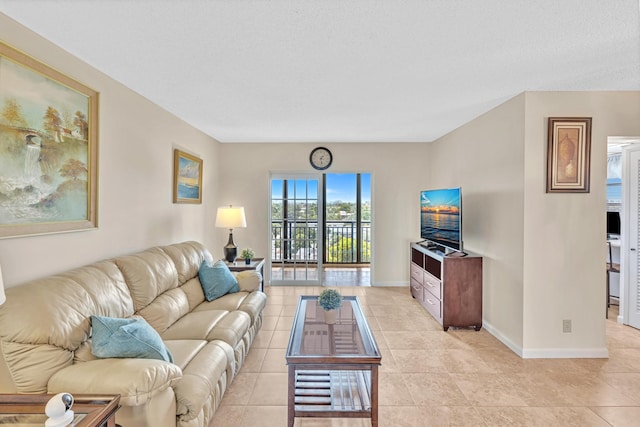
x: 230, y: 249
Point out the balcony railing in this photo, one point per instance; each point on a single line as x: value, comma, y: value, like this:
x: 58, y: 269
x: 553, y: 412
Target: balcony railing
x: 296, y: 241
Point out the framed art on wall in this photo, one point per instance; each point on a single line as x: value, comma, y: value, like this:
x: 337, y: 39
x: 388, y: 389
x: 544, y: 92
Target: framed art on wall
x: 568, y: 154
x: 187, y: 178
x: 48, y: 149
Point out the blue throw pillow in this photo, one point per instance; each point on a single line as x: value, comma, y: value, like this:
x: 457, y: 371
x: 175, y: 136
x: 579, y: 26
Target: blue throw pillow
x: 217, y: 280
x: 131, y: 337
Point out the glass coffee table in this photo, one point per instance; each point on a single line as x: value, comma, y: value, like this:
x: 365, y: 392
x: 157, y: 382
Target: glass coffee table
x: 333, y: 368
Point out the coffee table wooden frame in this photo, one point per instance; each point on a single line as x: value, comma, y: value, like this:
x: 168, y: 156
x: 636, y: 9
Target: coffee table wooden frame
x: 100, y: 410
x: 337, y: 383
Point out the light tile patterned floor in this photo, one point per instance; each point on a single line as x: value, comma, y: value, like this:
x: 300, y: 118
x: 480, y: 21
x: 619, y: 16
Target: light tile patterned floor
x: 434, y: 378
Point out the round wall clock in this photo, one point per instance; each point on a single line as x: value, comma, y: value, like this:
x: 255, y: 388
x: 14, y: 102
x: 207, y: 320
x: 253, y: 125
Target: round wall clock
x: 321, y: 158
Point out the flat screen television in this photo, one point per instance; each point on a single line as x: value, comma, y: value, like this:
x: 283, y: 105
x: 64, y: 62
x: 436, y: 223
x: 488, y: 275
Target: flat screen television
x: 441, y: 217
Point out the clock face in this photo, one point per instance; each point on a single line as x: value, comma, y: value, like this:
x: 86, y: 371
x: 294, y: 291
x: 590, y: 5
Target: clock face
x: 321, y: 158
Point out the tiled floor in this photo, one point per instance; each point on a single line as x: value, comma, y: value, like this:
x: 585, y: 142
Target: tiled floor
x: 436, y: 378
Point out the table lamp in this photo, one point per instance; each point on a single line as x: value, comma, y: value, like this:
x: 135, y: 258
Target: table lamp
x: 3, y: 297
x: 230, y: 217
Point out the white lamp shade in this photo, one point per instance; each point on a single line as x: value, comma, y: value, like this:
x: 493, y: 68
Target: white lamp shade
x: 3, y: 297
x: 230, y: 217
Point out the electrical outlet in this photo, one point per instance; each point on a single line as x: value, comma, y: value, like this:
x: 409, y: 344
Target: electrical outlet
x: 566, y: 325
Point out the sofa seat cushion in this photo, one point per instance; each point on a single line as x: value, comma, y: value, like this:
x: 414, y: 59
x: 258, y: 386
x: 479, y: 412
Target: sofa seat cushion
x: 193, y: 326
x: 229, y: 302
x: 251, y: 303
x: 210, y: 325
x: 184, y: 351
x: 254, y: 304
x: 213, y: 363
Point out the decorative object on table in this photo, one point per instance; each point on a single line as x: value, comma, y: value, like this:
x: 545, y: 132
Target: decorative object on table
x: 187, y: 178
x: 568, y: 155
x: 49, y: 149
x: 58, y: 409
x: 321, y: 158
x: 330, y: 300
x: 230, y: 217
x: 3, y: 297
x: 247, y: 254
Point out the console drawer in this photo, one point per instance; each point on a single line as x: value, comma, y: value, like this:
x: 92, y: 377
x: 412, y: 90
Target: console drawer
x: 417, y: 291
x: 417, y: 273
x: 433, y: 306
x: 432, y: 284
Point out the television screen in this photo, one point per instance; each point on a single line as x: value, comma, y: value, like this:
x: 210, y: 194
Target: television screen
x: 441, y: 217
x: 613, y: 223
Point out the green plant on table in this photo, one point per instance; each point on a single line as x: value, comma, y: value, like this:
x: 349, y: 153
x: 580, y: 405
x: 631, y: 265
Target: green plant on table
x: 247, y: 253
x: 330, y: 299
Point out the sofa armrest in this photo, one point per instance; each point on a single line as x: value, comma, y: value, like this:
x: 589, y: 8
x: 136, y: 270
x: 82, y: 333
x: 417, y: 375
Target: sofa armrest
x: 135, y: 380
x: 249, y: 280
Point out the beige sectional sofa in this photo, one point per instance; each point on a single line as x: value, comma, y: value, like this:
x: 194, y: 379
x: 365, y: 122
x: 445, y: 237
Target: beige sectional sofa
x: 45, y: 335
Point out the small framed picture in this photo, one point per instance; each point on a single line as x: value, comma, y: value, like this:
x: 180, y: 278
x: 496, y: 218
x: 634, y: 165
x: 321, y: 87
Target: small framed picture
x: 568, y: 155
x: 187, y: 178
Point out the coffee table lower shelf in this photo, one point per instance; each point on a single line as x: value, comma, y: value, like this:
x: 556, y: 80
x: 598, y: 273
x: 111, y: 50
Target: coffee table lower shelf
x: 333, y: 393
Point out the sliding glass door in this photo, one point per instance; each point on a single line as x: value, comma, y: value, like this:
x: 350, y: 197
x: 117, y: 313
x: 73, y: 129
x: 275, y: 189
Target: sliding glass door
x: 296, y: 230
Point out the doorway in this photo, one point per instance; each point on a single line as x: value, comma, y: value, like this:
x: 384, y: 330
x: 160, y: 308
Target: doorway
x: 630, y: 242
x: 623, y: 197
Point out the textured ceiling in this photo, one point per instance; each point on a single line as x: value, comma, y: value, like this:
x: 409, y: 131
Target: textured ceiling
x: 343, y: 71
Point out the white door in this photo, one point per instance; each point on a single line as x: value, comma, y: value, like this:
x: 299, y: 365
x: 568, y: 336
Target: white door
x: 296, y: 230
x: 630, y: 249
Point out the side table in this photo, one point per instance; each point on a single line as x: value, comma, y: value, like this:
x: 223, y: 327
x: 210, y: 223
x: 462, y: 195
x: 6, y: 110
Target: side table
x: 28, y: 409
x: 256, y: 264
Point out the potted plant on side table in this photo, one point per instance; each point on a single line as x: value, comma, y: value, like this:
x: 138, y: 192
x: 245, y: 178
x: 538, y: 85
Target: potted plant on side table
x: 247, y: 254
x: 330, y: 300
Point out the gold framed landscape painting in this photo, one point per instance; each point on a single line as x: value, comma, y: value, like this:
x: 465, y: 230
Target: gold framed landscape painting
x: 568, y: 155
x: 48, y: 149
x: 187, y: 178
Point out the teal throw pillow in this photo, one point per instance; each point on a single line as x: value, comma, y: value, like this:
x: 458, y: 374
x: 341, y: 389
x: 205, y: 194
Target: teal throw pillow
x: 130, y: 337
x: 217, y: 280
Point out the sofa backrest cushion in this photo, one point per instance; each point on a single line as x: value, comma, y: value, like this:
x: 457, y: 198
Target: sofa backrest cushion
x: 148, y: 274
x: 187, y: 257
x: 43, y: 322
x: 161, y: 281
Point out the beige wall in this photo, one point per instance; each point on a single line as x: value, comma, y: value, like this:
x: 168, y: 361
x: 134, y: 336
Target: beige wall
x: 543, y: 253
x: 485, y: 158
x: 135, y: 209
x: 398, y: 173
x: 564, y: 251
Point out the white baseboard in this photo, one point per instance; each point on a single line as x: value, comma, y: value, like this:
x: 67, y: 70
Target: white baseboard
x: 566, y: 353
x: 503, y: 339
x: 547, y: 353
x: 391, y: 284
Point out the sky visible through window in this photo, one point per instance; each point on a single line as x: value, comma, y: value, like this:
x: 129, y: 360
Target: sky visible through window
x: 340, y: 186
